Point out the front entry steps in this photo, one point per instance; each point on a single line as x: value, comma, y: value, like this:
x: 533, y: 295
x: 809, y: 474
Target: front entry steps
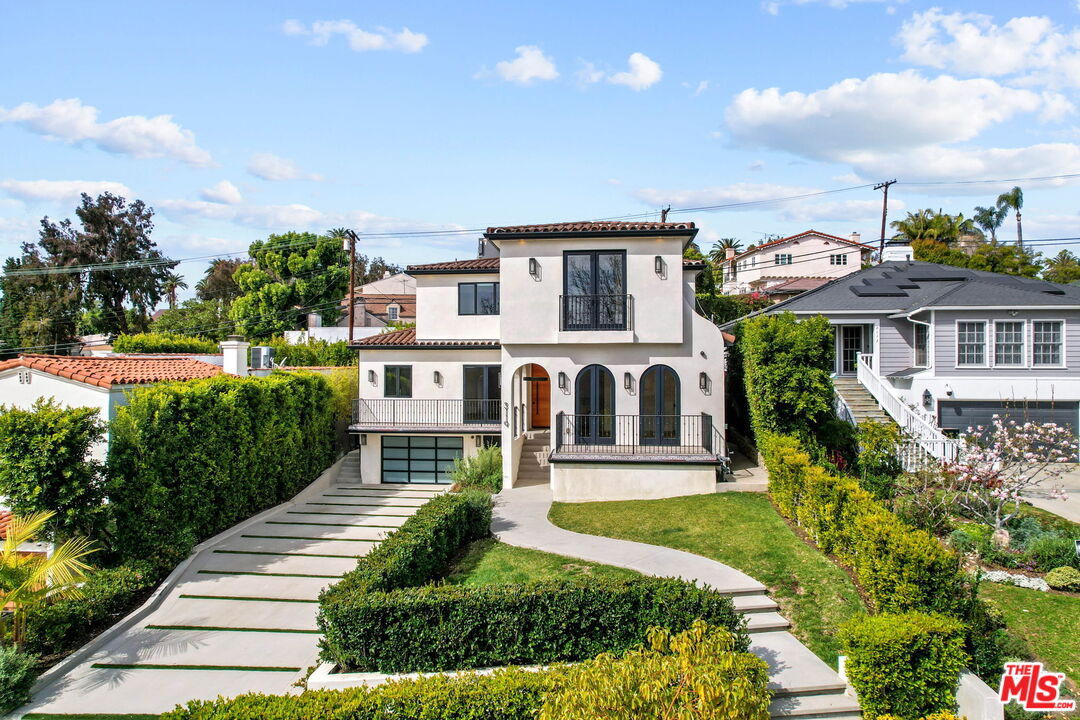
x: 533, y: 468
x: 858, y: 398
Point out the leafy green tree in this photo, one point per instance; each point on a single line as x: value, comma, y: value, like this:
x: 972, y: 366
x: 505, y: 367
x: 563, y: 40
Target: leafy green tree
x: 293, y: 274
x: 1013, y: 200
x: 1062, y: 268
x: 207, y: 319
x: 1005, y: 259
x: 38, y: 311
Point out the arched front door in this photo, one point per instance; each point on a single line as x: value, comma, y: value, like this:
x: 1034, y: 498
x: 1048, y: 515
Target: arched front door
x: 660, y: 406
x: 539, y: 397
x: 594, y: 406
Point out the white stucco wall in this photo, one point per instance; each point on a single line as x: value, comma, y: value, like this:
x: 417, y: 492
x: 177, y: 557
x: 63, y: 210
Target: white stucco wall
x: 810, y: 258
x: 67, y: 393
x: 437, y: 309
x: 582, y: 482
x: 424, y: 363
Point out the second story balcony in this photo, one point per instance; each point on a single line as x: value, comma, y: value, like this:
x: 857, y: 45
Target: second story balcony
x: 596, y: 312
x: 415, y: 415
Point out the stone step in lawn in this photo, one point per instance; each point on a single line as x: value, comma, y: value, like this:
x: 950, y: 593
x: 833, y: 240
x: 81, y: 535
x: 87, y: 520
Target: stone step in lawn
x: 754, y: 603
x: 814, y: 706
x: 765, y: 622
x: 793, y: 669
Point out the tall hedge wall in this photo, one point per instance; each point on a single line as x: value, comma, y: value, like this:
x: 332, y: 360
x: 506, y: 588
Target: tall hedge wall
x: 188, y: 460
x: 163, y: 343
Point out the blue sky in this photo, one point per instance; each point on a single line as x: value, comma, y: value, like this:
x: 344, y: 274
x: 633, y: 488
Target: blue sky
x: 236, y: 120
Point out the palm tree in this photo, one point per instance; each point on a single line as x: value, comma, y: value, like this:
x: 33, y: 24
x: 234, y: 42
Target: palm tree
x: 172, y: 283
x: 990, y: 219
x: 1062, y: 268
x: 719, y: 249
x: 1013, y: 200
x: 27, y: 580
x: 937, y: 226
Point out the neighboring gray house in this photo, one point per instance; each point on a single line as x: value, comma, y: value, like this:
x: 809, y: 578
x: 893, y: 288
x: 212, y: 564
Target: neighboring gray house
x: 943, y: 348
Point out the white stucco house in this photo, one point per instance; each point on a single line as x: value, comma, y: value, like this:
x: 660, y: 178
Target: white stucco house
x: 574, y: 346
x: 794, y: 264
x: 387, y: 301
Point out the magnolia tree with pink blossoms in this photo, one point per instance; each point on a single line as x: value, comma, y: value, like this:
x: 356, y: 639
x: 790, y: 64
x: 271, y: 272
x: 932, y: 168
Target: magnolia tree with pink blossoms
x: 1003, y: 461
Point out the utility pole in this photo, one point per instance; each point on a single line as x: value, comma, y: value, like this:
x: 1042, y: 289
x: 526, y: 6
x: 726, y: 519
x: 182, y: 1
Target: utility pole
x: 884, y: 213
x: 352, y: 282
x: 663, y: 213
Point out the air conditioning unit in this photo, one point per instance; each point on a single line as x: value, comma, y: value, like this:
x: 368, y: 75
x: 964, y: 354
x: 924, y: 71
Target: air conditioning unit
x: 262, y: 357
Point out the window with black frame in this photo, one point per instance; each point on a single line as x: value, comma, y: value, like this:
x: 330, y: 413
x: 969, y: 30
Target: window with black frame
x: 594, y: 290
x: 397, y: 381
x: 478, y: 298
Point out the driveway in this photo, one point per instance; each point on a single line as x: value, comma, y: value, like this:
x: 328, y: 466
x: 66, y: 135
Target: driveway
x: 241, y: 616
x: 1070, y: 508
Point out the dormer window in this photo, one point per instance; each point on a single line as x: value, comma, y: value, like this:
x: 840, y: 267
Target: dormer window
x: 393, y: 312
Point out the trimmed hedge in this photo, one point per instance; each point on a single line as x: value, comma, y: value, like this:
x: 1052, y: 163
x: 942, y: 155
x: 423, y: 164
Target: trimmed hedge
x: 447, y: 627
x: 17, y: 676
x: 899, y: 567
x: 504, y: 695
x: 107, y: 595
x: 906, y: 664
x: 311, y: 353
x: 188, y: 460
x: 163, y: 343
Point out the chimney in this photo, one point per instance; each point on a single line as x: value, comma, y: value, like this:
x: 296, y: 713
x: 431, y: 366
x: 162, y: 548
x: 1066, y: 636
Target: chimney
x: 385, y: 274
x: 729, y: 253
x: 856, y: 237
x: 235, y: 349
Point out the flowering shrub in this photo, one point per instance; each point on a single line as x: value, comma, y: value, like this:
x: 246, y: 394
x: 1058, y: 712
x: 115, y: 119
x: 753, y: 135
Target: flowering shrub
x: 1005, y: 460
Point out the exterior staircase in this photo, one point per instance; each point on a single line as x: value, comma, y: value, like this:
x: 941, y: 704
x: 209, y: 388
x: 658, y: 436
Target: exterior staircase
x: 350, y: 468
x: 858, y: 398
x: 533, y: 468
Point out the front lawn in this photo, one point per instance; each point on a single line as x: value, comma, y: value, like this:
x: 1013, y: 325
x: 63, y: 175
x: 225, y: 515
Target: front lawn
x: 1048, y: 622
x: 742, y: 530
x: 490, y: 562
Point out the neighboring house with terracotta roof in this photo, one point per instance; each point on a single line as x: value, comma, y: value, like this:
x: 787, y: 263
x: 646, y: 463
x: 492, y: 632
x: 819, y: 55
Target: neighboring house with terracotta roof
x: 378, y: 304
x: 84, y: 381
x: 809, y: 255
x: 574, y: 346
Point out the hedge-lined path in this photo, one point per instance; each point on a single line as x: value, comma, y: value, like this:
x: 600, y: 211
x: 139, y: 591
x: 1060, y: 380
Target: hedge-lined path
x: 803, y: 685
x: 241, y: 617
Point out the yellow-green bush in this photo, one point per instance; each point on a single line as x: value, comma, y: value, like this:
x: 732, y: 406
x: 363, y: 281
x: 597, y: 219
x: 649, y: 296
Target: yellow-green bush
x: 163, y: 343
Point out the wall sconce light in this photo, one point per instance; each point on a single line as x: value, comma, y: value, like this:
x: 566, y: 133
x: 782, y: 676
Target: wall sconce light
x: 371, y: 376
x: 437, y: 377
x: 563, y: 380
x: 658, y: 265
x: 534, y: 268
x: 627, y: 381
x: 948, y: 390
x: 704, y: 382
x: 927, y: 400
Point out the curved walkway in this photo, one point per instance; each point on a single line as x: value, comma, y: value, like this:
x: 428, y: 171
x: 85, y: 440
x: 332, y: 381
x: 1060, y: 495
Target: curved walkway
x: 803, y: 685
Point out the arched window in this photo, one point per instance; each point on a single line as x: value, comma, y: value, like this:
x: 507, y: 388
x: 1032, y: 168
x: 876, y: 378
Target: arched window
x: 594, y: 406
x: 660, y: 406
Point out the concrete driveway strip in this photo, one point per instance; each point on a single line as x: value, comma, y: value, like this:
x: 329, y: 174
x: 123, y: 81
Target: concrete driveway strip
x: 240, y: 617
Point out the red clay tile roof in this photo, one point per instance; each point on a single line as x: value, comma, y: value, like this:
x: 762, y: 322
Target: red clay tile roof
x: 590, y: 226
x: 406, y: 338
x: 476, y: 264
x: 108, y: 371
x: 377, y: 304
x: 827, y: 236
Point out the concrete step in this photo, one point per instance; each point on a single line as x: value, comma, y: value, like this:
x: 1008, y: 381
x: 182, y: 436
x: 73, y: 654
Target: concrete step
x: 349, y: 507
x: 814, y: 706
x: 766, y: 622
x: 747, y: 604
x: 793, y: 669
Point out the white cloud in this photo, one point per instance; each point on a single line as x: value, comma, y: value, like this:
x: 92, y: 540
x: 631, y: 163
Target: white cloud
x: 975, y: 163
x: 1032, y: 48
x: 224, y: 192
x: 271, y: 167
x: 884, y: 112
x: 530, y: 65
x: 135, y: 135
x: 321, y: 31
x: 701, y: 87
x: 589, y: 74
x: 806, y: 212
x: 720, y: 194
x: 643, y: 72
x: 772, y: 7
x: 58, y: 191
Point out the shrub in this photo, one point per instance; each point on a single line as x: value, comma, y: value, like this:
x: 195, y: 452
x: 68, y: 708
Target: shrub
x: 1064, y: 578
x: 483, y: 470
x: 312, y: 353
x: 1025, y: 530
x: 452, y: 627
x: 986, y: 640
x: 504, y: 695
x: 345, y: 386
x: 45, y: 466
x: 962, y: 541
x: 188, y: 460
x: 695, y: 674
x: 1051, y: 552
x: 107, y: 595
x: 906, y: 665
x: 17, y: 676
x: 163, y: 343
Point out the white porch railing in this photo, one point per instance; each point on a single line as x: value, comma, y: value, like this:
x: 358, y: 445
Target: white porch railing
x: 925, y: 440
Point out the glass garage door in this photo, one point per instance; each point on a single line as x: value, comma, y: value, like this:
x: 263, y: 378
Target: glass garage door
x: 414, y: 459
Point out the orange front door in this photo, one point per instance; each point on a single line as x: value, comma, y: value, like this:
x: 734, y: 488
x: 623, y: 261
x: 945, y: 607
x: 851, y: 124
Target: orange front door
x: 540, y: 383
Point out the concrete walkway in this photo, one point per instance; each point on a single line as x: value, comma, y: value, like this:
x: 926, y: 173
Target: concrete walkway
x: 240, y: 617
x: 803, y: 685
x: 1069, y: 508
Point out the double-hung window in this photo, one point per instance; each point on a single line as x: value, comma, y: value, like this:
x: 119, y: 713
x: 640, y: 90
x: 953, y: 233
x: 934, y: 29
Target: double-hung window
x: 1009, y: 343
x: 838, y: 259
x: 393, y: 312
x: 971, y: 343
x: 397, y: 381
x: 478, y: 298
x: 1047, y: 337
x: 782, y: 258
x: 921, y: 345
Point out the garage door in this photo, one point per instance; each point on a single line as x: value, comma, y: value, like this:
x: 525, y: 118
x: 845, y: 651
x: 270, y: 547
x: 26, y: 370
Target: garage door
x: 415, y: 459
x: 958, y: 415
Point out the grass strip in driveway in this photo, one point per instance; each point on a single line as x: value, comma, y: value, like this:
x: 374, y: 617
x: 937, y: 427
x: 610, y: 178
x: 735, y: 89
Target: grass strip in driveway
x: 217, y: 628
x: 235, y: 668
x: 268, y: 574
x: 742, y: 530
x: 1049, y: 623
x: 246, y: 599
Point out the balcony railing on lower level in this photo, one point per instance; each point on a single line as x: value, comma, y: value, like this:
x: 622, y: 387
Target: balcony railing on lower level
x: 596, y: 312
x: 637, y: 435
x: 408, y: 413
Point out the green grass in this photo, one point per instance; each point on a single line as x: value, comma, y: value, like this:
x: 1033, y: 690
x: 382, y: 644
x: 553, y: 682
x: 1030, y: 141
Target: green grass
x: 489, y: 562
x: 742, y: 530
x: 1048, y: 622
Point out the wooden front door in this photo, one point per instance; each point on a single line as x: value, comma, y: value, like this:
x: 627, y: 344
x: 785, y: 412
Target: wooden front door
x: 540, y: 406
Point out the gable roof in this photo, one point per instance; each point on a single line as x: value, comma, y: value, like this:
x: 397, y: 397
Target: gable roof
x: 406, y: 338
x: 475, y: 265
x: 108, y: 371
x: 827, y: 236
x: 377, y: 304
x: 594, y: 227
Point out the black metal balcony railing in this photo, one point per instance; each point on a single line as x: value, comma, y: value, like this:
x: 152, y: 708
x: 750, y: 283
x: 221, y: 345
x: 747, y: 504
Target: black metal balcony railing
x: 596, y: 312
x: 637, y: 435
x: 409, y: 412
